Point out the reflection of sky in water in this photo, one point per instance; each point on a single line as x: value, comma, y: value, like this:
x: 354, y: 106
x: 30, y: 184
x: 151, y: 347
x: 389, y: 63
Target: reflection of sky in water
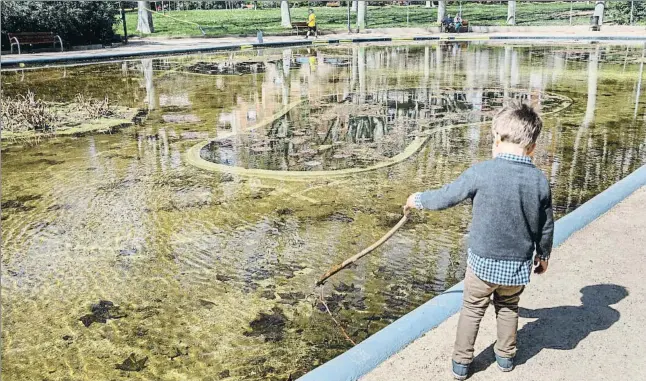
x: 201, y: 261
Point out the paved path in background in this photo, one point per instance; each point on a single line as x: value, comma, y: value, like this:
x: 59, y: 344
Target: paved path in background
x: 163, y: 46
x: 577, y: 322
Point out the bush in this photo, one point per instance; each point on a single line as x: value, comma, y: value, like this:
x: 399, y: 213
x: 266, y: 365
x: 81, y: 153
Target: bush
x: 619, y: 11
x: 78, y: 23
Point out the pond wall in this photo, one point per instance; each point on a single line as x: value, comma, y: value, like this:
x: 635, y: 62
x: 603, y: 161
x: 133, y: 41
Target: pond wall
x: 23, y: 60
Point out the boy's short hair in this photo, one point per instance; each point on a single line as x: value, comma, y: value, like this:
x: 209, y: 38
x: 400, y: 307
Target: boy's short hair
x: 517, y: 123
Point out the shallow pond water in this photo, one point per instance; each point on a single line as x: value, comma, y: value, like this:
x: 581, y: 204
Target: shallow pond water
x: 114, y: 245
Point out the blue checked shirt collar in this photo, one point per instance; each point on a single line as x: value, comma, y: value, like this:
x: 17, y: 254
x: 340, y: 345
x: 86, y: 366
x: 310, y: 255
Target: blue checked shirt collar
x: 517, y: 158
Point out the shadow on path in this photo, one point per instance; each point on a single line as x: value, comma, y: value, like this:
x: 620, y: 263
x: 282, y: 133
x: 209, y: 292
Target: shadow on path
x: 562, y: 327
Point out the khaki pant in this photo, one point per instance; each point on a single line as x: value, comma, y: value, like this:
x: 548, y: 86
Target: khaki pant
x: 477, y: 295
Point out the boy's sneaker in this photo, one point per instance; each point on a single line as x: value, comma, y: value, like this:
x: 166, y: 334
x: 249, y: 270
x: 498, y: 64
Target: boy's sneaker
x: 460, y: 371
x: 505, y: 364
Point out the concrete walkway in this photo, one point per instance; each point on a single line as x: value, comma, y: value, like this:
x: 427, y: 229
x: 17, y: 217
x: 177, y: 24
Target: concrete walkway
x: 138, y: 47
x: 585, y: 319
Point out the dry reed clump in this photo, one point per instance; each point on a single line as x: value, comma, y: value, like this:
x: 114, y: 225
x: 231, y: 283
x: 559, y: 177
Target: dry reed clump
x: 95, y: 108
x: 26, y: 113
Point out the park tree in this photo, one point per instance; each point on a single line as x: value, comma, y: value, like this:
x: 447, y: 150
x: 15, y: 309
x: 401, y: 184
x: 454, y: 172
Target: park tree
x: 511, y: 13
x: 620, y: 11
x: 441, y: 10
x: 145, y: 18
x: 361, y: 15
x: 599, y: 8
x: 285, y: 17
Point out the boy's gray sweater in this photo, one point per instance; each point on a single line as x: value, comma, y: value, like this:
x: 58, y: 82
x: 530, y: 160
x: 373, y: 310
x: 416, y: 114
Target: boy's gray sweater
x: 512, y: 209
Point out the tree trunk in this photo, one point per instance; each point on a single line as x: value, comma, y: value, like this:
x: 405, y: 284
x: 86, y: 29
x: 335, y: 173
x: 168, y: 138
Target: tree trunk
x: 145, y: 18
x: 361, y: 15
x: 441, y: 10
x: 511, y: 13
x: 429, y: 4
x: 354, y: 6
x: 599, y: 9
x: 285, y: 18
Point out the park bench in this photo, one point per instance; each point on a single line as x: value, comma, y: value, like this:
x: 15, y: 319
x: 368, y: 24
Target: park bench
x: 34, y: 38
x: 333, y: 4
x: 298, y: 26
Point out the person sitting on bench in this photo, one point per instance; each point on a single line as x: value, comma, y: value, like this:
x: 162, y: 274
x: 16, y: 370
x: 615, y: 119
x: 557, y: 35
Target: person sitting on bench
x: 446, y: 22
x: 458, y: 23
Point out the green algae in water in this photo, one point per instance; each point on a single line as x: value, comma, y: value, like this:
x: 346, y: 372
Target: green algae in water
x: 199, y: 261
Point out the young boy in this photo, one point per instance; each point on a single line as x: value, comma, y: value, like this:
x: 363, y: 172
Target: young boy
x: 512, y: 219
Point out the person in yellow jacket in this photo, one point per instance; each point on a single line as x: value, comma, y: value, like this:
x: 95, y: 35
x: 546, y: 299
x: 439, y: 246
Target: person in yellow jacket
x: 311, y: 24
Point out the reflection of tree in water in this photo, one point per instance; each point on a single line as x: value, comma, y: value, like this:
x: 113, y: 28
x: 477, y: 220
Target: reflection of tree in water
x: 358, y: 130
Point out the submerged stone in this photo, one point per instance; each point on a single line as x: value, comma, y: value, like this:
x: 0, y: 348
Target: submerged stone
x: 340, y: 217
x: 343, y: 287
x: 270, y: 326
x: 224, y: 374
x: 128, y: 252
x: 268, y: 294
x: 284, y: 211
x: 132, y: 364
x: 16, y: 205
x: 291, y: 297
x: 207, y: 303
x: 101, y: 312
x: 223, y: 278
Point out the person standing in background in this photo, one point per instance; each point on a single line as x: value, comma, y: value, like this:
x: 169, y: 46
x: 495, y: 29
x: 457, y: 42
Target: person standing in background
x: 311, y: 24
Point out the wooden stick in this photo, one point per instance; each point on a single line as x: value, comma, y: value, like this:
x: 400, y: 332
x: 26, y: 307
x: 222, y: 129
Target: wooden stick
x: 365, y: 251
x: 347, y: 337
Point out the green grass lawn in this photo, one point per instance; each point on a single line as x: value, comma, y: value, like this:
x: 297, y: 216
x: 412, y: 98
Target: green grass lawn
x: 246, y: 21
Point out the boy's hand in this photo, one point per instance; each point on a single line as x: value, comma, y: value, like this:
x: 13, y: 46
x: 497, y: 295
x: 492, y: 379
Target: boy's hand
x: 540, y: 265
x: 410, y: 204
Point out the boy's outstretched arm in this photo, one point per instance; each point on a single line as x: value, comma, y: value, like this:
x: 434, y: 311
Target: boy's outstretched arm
x: 545, y: 241
x: 447, y: 196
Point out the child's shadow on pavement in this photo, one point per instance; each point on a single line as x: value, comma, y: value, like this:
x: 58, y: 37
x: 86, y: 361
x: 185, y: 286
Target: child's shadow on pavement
x: 562, y: 327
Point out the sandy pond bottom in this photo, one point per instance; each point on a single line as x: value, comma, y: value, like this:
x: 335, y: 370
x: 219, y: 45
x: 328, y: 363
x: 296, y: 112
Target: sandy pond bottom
x: 121, y: 261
